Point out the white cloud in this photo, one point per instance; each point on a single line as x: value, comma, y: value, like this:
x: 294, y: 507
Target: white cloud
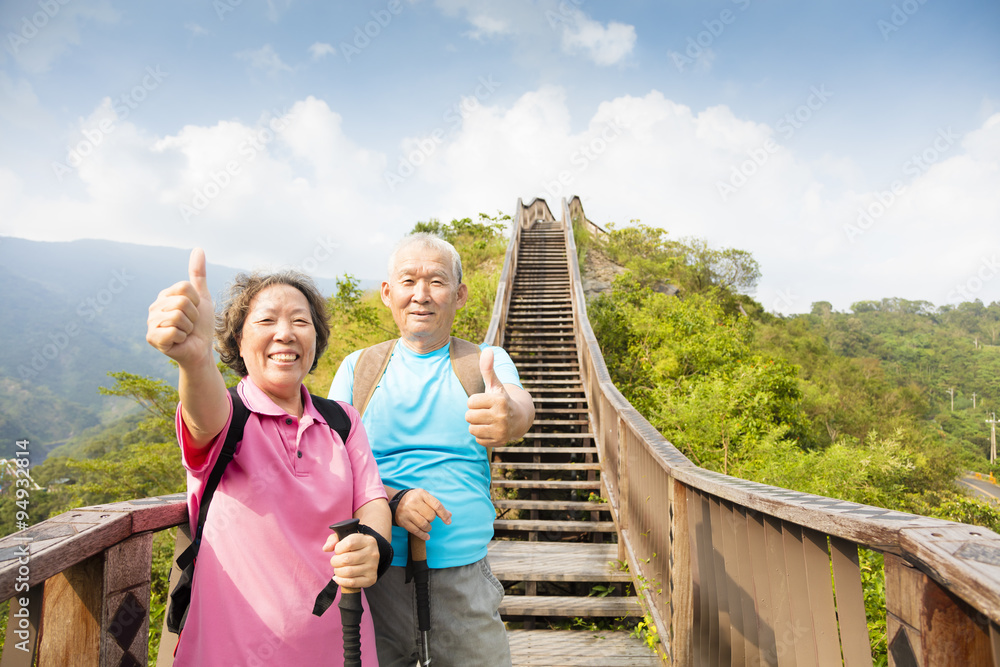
x: 536, y: 25
x: 320, y: 50
x: 604, y: 45
x: 266, y: 59
x: 195, y: 29
x: 40, y: 36
x: 278, y: 193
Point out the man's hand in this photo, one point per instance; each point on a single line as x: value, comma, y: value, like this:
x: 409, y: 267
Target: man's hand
x: 417, y: 509
x: 181, y: 322
x: 495, y: 417
x: 355, y: 560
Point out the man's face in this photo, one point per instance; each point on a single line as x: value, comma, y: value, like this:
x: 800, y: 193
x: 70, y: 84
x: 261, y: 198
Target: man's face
x: 423, y: 295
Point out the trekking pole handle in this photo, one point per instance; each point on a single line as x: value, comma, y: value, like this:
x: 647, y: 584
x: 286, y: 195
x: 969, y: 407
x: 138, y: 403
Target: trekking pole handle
x: 350, y: 605
x: 343, y: 529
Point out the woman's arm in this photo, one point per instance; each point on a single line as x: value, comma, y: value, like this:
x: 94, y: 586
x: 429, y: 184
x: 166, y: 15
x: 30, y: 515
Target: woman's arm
x: 181, y: 325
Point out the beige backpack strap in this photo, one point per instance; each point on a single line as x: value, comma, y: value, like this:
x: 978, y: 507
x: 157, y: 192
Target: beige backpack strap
x: 368, y: 371
x: 465, y: 363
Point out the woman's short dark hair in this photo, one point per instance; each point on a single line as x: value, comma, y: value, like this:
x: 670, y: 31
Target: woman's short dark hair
x: 229, y: 324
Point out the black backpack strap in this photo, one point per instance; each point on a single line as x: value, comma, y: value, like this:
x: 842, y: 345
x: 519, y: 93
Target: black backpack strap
x: 233, y: 437
x: 334, y: 415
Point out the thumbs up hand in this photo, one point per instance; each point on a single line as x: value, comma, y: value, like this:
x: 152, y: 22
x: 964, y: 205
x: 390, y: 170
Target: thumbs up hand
x: 490, y: 414
x: 181, y: 322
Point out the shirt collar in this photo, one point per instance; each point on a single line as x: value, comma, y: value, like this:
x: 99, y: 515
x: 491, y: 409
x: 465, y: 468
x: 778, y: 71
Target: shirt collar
x: 257, y: 401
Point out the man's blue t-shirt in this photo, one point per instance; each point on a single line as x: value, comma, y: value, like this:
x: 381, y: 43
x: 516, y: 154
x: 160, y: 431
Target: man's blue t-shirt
x: 416, y: 426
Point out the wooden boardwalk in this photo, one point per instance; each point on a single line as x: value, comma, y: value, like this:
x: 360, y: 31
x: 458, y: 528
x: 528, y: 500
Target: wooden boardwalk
x: 555, y: 549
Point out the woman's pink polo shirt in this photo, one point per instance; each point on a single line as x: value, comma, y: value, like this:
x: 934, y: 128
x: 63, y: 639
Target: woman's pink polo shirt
x: 261, y: 562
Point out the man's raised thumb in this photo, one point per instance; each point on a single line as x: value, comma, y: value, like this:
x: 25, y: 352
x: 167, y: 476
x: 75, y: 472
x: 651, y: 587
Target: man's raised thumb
x: 196, y: 271
x: 490, y: 379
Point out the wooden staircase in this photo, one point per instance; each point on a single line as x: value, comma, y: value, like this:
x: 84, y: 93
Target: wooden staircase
x: 555, y: 547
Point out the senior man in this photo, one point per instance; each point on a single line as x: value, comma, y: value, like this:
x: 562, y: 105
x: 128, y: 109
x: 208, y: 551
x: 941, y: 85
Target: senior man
x: 430, y: 437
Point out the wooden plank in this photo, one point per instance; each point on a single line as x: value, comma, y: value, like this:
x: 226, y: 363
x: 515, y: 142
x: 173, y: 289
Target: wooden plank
x: 24, y: 618
x: 798, y: 595
x: 125, y: 603
x: 573, y: 648
x: 72, y: 602
x: 850, y: 604
x: 785, y: 634
x: 751, y: 652
x: 59, y: 543
x: 556, y: 605
x: 943, y: 629
x: 554, y: 505
x: 555, y: 561
x: 546, y: 484
x: 680, y: 591
x: 824, y: 614
x: 763, y: 606
x: 546, y: 467
x: 731, y: 589
x: 720, y: 587
x: 541, y: 525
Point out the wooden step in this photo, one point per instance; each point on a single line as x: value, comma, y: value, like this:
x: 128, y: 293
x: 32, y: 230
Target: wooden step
x: 552, y: 505
x: 551, y: 605
x: 513, y: 561
x: 547, y: 467
x: 579, y: 485
x: 578, y: 648
x: 543, y: 526
x: 518, y: 449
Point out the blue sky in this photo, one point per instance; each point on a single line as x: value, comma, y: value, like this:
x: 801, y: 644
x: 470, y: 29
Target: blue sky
x: 853, y: 147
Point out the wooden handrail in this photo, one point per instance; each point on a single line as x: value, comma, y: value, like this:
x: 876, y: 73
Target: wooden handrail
x: 738, y: 571
x: 88, y: 571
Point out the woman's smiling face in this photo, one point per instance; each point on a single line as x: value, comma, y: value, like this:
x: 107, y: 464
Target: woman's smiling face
x: 278, y: 342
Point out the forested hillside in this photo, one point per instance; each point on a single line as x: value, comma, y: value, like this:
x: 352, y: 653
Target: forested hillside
x: 849, y: 405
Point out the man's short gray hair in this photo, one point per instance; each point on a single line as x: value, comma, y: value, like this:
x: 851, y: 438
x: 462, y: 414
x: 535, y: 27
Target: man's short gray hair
x: 426, y: 241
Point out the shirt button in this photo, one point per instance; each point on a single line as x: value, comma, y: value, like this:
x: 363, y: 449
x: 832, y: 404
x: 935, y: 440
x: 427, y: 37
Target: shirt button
x: 299, y: 454
x: 288, y: 421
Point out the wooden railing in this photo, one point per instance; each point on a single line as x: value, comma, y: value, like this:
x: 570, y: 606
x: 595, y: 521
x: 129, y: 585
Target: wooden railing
x: 81, y: 582
x: 732, y: 572
x: 735, y: 572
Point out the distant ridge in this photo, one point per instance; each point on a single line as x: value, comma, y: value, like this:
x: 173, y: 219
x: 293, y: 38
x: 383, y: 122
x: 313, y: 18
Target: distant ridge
x: 72, y: 312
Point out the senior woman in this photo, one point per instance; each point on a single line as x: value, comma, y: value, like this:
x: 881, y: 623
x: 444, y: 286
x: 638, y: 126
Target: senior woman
x: 265, y: 552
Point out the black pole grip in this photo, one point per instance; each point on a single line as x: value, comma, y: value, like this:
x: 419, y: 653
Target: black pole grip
x: 350, y: 605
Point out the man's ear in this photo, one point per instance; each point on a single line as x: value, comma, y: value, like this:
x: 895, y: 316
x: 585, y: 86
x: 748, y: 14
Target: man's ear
x: 385, y: 293
x: 463, y: 294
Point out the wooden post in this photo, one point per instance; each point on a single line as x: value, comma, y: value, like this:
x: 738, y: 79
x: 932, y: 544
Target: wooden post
x: 681, y: 589
x: 23, y: 623
x: 100, y: 608
x: 929, y: 626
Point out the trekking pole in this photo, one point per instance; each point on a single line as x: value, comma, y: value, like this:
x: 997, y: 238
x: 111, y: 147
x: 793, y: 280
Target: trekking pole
x: 350, y: 605
x: 418, y: 557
